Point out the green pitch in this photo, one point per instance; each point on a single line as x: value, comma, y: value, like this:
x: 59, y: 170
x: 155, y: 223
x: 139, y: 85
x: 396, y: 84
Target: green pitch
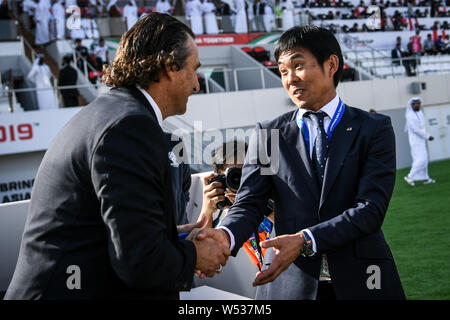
x: 417, y: 229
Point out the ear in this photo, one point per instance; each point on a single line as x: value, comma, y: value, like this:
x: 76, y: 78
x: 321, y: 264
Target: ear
x: 170, y: 70
x: 333, y: 65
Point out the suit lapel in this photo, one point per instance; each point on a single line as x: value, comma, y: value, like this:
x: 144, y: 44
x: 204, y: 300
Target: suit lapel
x: 342, y: 139
x: 297, y: 148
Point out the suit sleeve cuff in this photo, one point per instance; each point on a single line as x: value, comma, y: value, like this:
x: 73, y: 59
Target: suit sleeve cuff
x: 310, y: 235
x: 231, y: 236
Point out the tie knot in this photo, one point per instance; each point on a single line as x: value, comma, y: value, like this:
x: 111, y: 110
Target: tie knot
x: 315, y: 116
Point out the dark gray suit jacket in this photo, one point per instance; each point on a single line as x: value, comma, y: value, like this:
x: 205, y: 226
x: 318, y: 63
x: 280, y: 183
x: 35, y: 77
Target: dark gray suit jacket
x: 345, y: 215
x: 102, y: 201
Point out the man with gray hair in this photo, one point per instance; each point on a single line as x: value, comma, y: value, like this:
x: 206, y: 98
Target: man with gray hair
x: 101, y: 223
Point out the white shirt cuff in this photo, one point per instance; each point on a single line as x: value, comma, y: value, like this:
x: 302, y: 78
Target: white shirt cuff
x: 312, y: 239
x: 230, y: 234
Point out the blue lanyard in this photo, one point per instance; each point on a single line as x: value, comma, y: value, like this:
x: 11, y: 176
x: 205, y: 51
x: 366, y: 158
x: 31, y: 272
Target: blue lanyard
x: 334, y: 122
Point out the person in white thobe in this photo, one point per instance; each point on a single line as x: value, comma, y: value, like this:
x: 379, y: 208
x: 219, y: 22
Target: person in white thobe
x: 287, y: 8
x: 418, y: 137
x: 269, y: 17
x: 40, y: 74
x: 194, y: 14
x: 130, y: 14
x: 241, y: 17
x: 209, y: 12
x: 42, y: 18
x: 163, y: 6
x: 59, y: 14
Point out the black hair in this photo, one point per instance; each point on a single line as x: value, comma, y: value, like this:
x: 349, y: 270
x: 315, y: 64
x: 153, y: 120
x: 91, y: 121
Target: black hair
x: 222, y: 155
x: 67, y: 59
x: 319, y: 41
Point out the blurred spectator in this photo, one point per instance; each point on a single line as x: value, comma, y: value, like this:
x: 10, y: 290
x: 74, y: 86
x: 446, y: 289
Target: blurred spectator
x: 112, y: 9
x: 398, y: 55
x: 241, y: 17
x: 89, y: 27
x: 354, y: 28
x: 279, y: 14
x: 209, y: 11
x: 4, y: 10
x: 439, y: 45
x: 446, y: 47
x: 416, y: 44
x: 68, y: 76
x: 178, y: 8
x: 101, y: 54
x: 224, y: 10
x: 42, y: 18
x: 98, y: 7
x: 41, y: 75
x: 330, y: 15
x: 59, y: 14
x: 398, y: 41
x: 433, y: 7
x: 163, y: 6
x: 81, y: 53
x: 428, y: 45
x: 29, y: 7
x: 194, y: 15
x: 287, y: 7
x: 258, y: 14
x: 411, y: 13
x: 269, y: 18
x: 130, y: 14
x: 361, y: 10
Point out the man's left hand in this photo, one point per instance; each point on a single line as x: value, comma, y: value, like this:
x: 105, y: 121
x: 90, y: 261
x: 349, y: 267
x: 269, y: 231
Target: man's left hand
x: 286, y: 250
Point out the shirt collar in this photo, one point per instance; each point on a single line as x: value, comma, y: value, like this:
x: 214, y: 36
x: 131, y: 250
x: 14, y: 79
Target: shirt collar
x: 153, y: 104
x: 329, y: 109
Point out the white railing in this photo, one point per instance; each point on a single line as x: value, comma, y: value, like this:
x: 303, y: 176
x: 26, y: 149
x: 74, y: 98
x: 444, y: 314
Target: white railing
x: 13, y: 102
x: 231, y: 80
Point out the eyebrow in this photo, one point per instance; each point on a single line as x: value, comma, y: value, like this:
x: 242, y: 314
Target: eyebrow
x: 293, y: 57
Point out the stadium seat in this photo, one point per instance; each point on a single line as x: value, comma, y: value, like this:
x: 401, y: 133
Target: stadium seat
x: 261, y: 54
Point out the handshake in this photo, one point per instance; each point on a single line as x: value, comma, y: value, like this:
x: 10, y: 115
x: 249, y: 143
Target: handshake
x: 212, y: 246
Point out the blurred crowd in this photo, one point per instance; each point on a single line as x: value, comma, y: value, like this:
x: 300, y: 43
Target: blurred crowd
x: 77, y: 19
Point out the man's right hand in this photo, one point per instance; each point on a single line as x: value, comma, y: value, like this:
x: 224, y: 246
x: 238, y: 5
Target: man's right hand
x: 212, y: 254
x: 212, y: 247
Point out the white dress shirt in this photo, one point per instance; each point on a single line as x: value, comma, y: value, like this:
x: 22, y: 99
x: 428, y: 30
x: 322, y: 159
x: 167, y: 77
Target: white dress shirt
x: 153, y: 104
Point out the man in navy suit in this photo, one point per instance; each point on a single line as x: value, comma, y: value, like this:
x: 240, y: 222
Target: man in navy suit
x: 332, y: 176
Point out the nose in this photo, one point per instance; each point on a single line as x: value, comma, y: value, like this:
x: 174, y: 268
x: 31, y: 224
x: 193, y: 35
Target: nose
x: 196, y: 84
x: 291, y: 77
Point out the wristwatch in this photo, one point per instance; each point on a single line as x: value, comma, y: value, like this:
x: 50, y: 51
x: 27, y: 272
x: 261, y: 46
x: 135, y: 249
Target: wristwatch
x: 307, y: 249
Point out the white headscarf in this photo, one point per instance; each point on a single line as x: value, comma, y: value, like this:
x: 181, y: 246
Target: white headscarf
x: 411, y: 112
x: 110, y: 4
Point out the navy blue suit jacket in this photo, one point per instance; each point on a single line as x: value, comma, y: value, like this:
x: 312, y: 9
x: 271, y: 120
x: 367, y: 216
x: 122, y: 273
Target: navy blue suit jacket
x: 344, y: 216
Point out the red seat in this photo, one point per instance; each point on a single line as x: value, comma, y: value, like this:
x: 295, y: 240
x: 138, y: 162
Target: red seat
x: 269, y: 63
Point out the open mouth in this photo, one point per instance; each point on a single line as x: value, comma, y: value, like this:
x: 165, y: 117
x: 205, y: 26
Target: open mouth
x: 297, y: 93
